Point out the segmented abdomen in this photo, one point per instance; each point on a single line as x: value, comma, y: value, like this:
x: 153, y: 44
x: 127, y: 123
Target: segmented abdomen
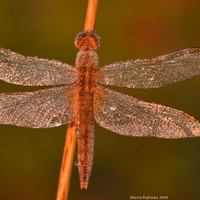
x: 85, y: 137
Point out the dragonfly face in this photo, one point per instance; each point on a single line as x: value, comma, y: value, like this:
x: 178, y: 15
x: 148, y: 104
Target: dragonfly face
x: 80, y: 95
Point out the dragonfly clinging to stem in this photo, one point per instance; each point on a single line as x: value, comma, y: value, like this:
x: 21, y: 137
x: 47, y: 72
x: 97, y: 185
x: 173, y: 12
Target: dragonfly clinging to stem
x: 78, y: 93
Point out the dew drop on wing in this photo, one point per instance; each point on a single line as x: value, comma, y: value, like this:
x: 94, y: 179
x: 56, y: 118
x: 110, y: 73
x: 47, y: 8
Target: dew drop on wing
x: 150, y: 78
x: 55, y: 121
x: 113, y: 108
x: 55, y: 124
x: 101, y: 123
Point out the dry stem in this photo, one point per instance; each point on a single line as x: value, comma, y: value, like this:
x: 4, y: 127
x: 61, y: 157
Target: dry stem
x: 91, y: 15
x: 66, y: 167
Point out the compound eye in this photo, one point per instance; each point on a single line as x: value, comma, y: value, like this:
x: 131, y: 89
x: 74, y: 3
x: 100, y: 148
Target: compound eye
x: 87, y: 40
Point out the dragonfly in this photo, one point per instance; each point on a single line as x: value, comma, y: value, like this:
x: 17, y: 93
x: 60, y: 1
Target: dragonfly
x: 78, y: 93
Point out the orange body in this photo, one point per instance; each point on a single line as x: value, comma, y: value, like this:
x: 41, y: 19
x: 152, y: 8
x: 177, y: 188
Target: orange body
x: 87, y: 63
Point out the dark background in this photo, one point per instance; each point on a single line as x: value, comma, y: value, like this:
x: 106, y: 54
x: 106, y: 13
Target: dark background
x: 123, y: 166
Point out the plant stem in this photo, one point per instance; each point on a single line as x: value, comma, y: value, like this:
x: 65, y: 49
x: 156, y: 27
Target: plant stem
x: 91, y: 15
x: 67, y: 160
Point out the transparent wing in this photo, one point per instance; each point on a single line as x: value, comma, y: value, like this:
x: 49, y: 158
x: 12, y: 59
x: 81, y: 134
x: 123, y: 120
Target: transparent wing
x: 152, y: 73
x: 129, y: 116
x: 33, y: 71
x: 40, y: 109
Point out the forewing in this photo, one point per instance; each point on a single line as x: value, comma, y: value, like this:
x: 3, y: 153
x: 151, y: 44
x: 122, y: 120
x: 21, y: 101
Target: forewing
x: 34, y: 71
x: 129, y: 116
x: 40, y: 109
x: 152, y: 73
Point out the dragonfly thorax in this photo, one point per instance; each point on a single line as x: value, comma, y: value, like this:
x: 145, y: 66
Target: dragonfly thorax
x: 87, y: 65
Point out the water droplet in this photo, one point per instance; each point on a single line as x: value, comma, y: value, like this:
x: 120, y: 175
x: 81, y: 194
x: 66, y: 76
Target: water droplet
x: 76, y: 131
x: 150, y: 78
x: 101, y: 123
x: 171, y: 61
x: 55, y: 121
x: 55, y: 124
x: 77, y: 164
x: 112, y: 108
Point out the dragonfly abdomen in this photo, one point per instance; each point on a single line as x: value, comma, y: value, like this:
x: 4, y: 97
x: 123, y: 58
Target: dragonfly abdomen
x: 85, y: 138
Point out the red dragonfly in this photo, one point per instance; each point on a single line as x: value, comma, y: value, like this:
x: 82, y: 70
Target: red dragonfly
x: 78, y: 95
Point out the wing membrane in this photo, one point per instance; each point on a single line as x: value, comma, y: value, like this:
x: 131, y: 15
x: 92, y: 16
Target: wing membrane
x: 152, y: 73
x: 33, y: 71
x: 129, y: 116
x: 40, y: 109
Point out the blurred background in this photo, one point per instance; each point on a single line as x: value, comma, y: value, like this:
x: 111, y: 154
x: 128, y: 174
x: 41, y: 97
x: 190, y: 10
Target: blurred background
x: 30, y: 159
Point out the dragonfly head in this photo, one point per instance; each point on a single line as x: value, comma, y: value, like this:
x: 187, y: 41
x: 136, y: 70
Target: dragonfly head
x: 87, y: 40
